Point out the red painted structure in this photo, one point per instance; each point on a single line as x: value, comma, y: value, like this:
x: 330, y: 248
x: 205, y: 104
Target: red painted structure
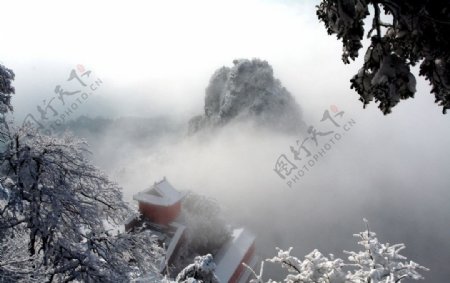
x: 241, y: 269
x: 161, y: 203
x: 160, y: 214
x: 239, y: 249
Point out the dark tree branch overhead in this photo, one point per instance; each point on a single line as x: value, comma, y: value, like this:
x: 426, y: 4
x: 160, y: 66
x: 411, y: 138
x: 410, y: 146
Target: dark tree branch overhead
x: 419, y: 33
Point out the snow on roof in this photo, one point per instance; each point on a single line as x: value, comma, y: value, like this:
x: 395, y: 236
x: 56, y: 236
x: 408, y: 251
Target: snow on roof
x: 161, y: 193
x: 230, y: 256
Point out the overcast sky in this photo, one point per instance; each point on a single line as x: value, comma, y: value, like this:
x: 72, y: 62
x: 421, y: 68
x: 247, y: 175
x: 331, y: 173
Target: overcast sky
x: 156, y: 57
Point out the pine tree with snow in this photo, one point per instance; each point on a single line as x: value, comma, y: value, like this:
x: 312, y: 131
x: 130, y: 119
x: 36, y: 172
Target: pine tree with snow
x: 408, y: 33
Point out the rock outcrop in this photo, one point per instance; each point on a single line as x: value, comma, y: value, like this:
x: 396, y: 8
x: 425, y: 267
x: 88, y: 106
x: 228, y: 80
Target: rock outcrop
x: 248, y: 91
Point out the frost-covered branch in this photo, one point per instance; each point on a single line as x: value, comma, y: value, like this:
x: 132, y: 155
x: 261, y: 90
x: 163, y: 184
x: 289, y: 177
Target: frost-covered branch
x: 376, y: 263
x: 202, y: 270
x: 62, y: 210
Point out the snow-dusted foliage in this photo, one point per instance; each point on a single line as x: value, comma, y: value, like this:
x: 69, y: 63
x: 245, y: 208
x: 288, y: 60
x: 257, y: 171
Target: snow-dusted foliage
x: 202, y: 270
x: 16, y: 264
x: 418, y: 31
x: 65, y: 211
x: 376, y: 263
x: 207, y: 230
x: 6, y: 89
x: 248, y: 90
x: 59, y: 215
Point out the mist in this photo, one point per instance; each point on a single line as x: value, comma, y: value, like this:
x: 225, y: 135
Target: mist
x: 389, y: 170
x: 392, y: 170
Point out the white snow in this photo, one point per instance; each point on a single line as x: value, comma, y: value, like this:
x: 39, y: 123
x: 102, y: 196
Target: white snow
x: 230, y: 256
x: 161, y: 193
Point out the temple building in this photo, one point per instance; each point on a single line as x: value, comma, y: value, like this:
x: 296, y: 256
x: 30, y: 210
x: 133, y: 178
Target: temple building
x: 160, y: 206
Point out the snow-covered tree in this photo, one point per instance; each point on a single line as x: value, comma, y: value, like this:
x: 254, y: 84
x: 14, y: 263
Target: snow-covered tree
x: 408, y: 33
x: 6, y: 89
x: 207, y: 230
x: 202, y: 270
x: 66, y: 210
x: 60, y: 215
x: 376, y: 263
